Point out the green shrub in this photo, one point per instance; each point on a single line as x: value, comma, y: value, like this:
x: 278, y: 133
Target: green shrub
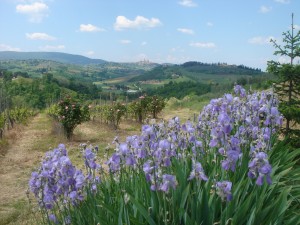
x: 71, y: 114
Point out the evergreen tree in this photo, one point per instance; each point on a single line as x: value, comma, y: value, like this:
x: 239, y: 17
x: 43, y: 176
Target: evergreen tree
x: 288, y: 84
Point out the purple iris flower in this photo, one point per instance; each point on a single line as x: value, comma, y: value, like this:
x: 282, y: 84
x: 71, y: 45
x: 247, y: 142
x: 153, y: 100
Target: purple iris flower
x: 213, y: 143
x: 130, y: 160
x: 147, y: 168
x: 114, y: 162
x: 197, y: 172
x: 123, y: 148
x: 230, y: 162
x: 168, y: 181
x: 224, y: 190
x: 259, y: 167
x: 53, y: 218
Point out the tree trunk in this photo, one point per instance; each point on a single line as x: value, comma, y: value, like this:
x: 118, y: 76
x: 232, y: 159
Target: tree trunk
x: 289, y: 103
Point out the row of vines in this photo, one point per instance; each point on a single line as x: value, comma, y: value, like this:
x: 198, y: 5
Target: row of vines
x: 70, y: 113
x: 143, y: 108
x: 10, y: 117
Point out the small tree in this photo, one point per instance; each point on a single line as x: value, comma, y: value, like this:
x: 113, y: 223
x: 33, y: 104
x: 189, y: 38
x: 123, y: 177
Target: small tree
x: 140, y: 108
x: 115, y: 114
x: 156, y: 105
x: 71, y: 114
x: 288, y: 85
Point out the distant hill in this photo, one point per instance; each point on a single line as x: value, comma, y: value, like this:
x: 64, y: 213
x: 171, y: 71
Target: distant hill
x: 219, y: 68
x: 196, y: 70
x: 53, y: 56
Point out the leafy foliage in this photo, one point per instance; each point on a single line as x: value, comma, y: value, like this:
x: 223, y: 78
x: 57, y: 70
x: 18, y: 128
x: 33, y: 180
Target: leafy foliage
x: 42, y: 92
x: 146, y: 104
x: 181, y: 89
x: 156, y: 105
x: 9, y: 117
x: 84, y: 90
x: 110, y: 113
x: 155, y: 74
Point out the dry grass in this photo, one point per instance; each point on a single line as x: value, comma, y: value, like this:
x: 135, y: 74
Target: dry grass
x: 15, y: 168
x: 184, y: 114
x: 9, y: 137
x: 26, y: 145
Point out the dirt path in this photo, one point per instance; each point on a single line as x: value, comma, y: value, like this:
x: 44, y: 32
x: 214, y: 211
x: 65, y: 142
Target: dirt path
x: 16, y: 166
x: 28, y: 145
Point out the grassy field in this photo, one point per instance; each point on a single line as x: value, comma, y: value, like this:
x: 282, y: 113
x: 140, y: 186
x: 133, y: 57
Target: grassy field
x: 117, y: 80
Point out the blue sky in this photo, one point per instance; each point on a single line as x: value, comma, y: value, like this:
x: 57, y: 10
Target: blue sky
x: 163, y: 31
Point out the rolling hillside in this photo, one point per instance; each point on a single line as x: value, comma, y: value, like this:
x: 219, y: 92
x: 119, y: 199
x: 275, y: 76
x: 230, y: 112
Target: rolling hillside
x: 196, y: 71
x: 132, y: 79
x: 68, y: 65
x: 53, y: 56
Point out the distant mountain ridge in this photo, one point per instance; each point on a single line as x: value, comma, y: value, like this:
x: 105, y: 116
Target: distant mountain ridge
x: 54, y: 56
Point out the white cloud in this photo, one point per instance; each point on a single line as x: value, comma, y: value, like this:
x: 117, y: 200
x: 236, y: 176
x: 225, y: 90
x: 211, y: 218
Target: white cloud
x: 125, y: 42
x: 139, y: 22
x: 176, y: 49
x: 282, y: 1
x: 144, y: 43
x: 90, y: 28
x: 35, y: 11
x: 40, y: 36
x: 52, y: 48
x: 35, y: 7
x: 296, y: 27
x: 4, y: 47
x: 203, y: 44
x: 209, y: 24
x: 90, y: 53
x: 185, y: 31
x: 259, y: 40
x: 265, y: 9
x: 187, y: 3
